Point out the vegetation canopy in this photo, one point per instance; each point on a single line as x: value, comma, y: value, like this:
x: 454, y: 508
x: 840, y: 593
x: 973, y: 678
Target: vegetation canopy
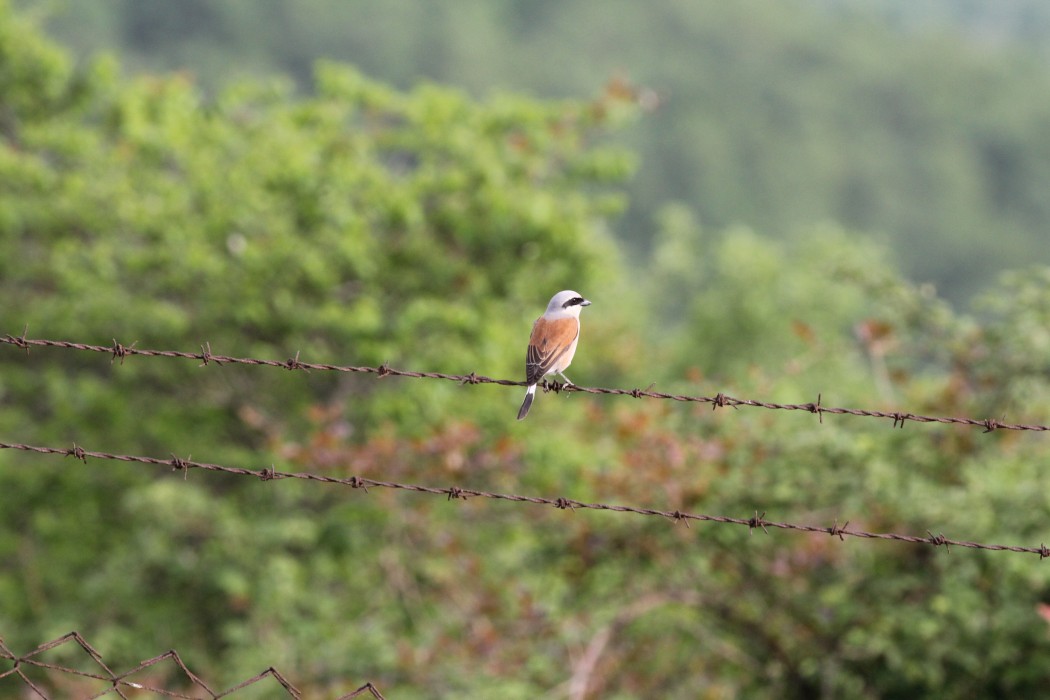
x: 426, y: 228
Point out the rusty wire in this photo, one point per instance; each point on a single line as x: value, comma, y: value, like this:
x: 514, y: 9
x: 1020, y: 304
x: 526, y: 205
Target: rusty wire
x: 119, y: 682
x: 456, y: 492
x: 119, y: 351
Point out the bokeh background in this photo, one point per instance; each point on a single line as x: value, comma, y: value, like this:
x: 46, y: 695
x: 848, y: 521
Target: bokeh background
x: 771, y: 199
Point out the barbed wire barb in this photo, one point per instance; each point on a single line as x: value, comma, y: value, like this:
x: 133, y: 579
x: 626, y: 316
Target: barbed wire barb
x: 720, y: 400
x: 367, y: 687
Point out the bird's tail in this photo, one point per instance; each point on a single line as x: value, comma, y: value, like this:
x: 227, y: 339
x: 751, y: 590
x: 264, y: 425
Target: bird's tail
x: 530, y: 393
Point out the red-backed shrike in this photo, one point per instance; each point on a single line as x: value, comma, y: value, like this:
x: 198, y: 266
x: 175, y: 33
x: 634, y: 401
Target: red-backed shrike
x: 552, y: 343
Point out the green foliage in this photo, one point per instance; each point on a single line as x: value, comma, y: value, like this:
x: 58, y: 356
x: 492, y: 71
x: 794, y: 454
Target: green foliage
x: 365, y: 224
x: 920, y: 121
x: 265, y: 224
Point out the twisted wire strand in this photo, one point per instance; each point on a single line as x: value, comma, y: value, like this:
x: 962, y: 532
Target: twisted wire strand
x: 206, y: 357
x: 119, y: 682
x: 562, y: 503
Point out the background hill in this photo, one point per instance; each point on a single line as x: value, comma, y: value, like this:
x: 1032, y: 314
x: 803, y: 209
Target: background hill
x: 922, y: 124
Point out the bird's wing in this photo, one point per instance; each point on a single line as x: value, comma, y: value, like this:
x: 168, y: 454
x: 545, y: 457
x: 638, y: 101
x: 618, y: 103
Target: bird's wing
x: 550, y: 340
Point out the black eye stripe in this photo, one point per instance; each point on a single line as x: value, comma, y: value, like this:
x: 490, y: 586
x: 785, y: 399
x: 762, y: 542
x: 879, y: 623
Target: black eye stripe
x: 572, y: 302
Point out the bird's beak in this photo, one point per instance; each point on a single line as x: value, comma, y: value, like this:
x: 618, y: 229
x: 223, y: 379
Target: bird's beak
x: 585, y: 303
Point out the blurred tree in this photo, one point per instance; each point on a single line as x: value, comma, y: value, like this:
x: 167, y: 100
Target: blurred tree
x: 361, y: 225
x: 922, y: 122
x: 364, y: 224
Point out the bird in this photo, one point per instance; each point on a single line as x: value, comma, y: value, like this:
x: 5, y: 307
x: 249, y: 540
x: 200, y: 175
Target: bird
x: 552, y: 343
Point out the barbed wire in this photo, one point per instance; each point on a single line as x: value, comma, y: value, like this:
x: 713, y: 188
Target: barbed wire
x: 119, y: 351
x: 119, y: 682
x: 756, y: 521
